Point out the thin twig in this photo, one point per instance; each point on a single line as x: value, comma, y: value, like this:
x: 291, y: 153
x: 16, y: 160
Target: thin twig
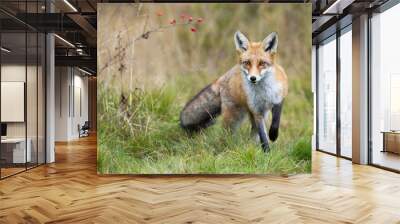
x: 144, y: 35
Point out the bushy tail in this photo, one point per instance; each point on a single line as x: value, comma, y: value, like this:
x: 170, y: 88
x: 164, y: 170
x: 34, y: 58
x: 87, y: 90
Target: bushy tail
x: 201, y: 110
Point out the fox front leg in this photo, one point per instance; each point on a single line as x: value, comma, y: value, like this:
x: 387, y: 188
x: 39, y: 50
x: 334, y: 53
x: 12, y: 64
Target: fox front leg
x: 276, y: 117
x: 260, y: 123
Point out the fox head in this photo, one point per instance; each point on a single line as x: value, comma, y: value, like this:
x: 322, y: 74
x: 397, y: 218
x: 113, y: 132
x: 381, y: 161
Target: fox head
x: 256, y: 59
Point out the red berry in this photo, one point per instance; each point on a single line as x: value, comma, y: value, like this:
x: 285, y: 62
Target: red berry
x: 200, y: 20
x: 190, y: 19
x: 173, y: 21
x: 194, y: 30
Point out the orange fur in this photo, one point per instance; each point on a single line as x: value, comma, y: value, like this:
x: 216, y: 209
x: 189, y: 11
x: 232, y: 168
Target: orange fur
x: 255, y: 86
x: 255, y: 53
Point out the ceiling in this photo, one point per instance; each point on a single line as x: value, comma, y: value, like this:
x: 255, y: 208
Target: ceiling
x: 331, y: 15
x: 74, y: 22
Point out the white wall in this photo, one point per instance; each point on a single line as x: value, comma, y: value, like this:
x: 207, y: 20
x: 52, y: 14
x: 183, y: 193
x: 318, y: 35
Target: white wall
x: 12, y: 73
x: 62, y: 82
x: 70, y: 83
x: 79, y: 117
x: 9, y: 73
x: 34, y: 125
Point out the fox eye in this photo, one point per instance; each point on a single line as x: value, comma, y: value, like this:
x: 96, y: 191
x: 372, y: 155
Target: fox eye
x: 263, y: 63
x: 246, y: 62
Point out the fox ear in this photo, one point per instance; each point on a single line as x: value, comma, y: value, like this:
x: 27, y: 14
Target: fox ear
x: 270, y: 43
x: 241, y: 41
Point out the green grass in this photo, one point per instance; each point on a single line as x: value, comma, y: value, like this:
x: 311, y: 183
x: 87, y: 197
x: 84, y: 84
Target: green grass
x: 141, y: 135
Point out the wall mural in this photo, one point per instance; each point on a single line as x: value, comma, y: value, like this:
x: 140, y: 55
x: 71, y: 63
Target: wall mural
x: 204, y: 88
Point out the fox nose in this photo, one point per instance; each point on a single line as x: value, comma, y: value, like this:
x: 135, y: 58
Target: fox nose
x: 253, y: 78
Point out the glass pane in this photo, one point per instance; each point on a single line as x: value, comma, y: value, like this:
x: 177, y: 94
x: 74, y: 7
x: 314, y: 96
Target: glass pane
x: 385, y: 89
x: 13, y: 86
x: 346, y: 93
x: 327, y: 96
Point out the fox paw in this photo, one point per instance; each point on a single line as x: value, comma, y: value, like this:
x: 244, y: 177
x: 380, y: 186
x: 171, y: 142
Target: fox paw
x: 265, y: 147
x: 273, y: 134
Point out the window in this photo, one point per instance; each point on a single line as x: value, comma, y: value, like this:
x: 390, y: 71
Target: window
x: 327, y: 95
x: 346, y: 92
x: 22, y: 77
x: 385, y: 89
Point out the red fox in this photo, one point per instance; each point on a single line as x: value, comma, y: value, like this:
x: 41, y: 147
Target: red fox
x: 255, y: 86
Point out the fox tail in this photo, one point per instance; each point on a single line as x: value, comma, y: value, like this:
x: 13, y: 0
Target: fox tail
x: 201, y: 111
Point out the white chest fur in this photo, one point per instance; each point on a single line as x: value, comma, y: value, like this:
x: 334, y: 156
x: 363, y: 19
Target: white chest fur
x: 261, y: 96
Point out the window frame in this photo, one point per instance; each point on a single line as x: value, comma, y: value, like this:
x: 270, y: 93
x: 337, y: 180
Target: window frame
x: 333, y: 37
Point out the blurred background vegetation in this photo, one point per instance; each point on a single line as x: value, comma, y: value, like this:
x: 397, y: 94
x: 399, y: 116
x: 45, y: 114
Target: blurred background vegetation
x: 145, y: 78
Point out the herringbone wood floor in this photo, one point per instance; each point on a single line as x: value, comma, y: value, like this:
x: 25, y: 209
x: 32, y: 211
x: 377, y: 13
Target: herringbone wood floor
x: 70, y: 191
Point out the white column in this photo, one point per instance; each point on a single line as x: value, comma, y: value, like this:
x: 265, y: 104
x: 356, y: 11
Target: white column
x: 360, y: 90
x: 50, y: 93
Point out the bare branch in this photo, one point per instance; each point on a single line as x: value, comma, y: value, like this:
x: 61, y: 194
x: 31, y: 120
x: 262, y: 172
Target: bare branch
x: 145, y: 35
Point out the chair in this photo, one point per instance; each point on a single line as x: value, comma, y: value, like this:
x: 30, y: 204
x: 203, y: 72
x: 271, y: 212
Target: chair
x: 84, y: 130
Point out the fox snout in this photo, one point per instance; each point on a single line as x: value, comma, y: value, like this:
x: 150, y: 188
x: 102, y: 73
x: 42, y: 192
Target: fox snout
x: 254, y: 77
x: 257, y: 74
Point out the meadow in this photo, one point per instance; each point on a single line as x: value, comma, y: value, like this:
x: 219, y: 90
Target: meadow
x: 141, y: 134
x: 139, y: 102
